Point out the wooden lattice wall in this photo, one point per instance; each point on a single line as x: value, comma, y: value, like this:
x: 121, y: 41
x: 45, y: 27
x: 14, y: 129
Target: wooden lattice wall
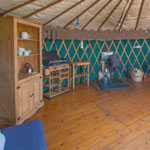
x: 130, y: 55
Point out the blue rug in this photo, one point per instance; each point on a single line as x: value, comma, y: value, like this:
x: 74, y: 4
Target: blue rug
x: 113, y: 84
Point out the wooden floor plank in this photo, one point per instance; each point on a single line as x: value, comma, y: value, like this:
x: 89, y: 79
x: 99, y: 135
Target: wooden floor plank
x: 117, y: 139
x: 89, y: 119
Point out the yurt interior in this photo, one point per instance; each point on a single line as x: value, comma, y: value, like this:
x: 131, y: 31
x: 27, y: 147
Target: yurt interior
x: 74, y: 74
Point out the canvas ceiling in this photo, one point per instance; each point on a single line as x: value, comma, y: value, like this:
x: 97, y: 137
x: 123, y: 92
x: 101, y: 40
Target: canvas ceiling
x: 115, y: 14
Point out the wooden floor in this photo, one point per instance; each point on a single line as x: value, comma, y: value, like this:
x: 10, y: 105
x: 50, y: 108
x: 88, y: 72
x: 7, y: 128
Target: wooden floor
x: 89, y: 119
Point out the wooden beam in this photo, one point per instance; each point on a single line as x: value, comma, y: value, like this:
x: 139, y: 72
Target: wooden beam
x: 16, y: 7
x: 126, y: 14
x: 81, y: 14
x: 139, y: 15
x: 76, y: 34
x: 96, y: 15
x: 63, y: 12
x: 109, y: 14
x: 43, y: 8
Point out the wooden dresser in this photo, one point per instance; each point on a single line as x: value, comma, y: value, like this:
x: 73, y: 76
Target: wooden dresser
x: 21, y: 94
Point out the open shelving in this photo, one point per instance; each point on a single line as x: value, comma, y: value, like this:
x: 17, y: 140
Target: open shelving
x: 34, y: 45
x: 57, y: 80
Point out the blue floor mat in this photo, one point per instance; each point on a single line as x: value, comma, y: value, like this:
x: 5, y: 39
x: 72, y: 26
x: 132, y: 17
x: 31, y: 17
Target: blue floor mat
x: 113, y: 84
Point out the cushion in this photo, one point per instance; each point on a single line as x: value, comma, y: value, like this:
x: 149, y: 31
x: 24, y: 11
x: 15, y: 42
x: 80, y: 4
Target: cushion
x: 28, y: 136
x: 2, y: 141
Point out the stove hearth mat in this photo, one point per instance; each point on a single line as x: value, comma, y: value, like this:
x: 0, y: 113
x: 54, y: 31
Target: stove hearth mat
x: 113, y: 84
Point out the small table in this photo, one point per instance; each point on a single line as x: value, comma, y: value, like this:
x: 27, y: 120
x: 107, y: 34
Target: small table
x: 85, y: 73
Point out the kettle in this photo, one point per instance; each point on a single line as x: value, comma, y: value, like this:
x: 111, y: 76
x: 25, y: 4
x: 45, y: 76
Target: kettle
x: 28, y: 68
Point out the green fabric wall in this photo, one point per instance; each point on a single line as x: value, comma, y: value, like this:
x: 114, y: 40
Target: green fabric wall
x: 125, y: 49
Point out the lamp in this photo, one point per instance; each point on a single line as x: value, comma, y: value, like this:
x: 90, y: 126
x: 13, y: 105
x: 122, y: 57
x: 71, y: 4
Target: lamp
x: 78, y: 22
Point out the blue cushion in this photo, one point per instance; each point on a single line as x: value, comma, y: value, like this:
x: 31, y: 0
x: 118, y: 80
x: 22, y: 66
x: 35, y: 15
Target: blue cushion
x: 28, y: 136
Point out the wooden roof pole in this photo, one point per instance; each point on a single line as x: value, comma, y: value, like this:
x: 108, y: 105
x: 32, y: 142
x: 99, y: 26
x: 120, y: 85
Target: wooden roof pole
x: 96, y: 15
x: 110, y: 14
x: 16, y: 7
x: 43, y: 8
x: 63, y: 12
x: 125, y: 14
x: 139, y: 15
x: 81, y: 13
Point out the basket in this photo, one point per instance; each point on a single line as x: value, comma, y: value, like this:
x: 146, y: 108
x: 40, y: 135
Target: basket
x: 136, y: 75
x: 147, y: 77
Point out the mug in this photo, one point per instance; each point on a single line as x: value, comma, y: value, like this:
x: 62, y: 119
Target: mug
x: 25, y: 35
x: 21, y: 51
x: 26, y: 53
x: 29, y: 51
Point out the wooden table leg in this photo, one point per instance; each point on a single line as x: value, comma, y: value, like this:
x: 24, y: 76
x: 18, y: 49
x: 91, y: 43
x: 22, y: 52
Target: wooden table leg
x: 50, y: 85
x: 83, y: 67
x: 88, y: 75
x: 79, y: 72
x: 68, y: 77
x: 73, y: 77
x: 59, y: 81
